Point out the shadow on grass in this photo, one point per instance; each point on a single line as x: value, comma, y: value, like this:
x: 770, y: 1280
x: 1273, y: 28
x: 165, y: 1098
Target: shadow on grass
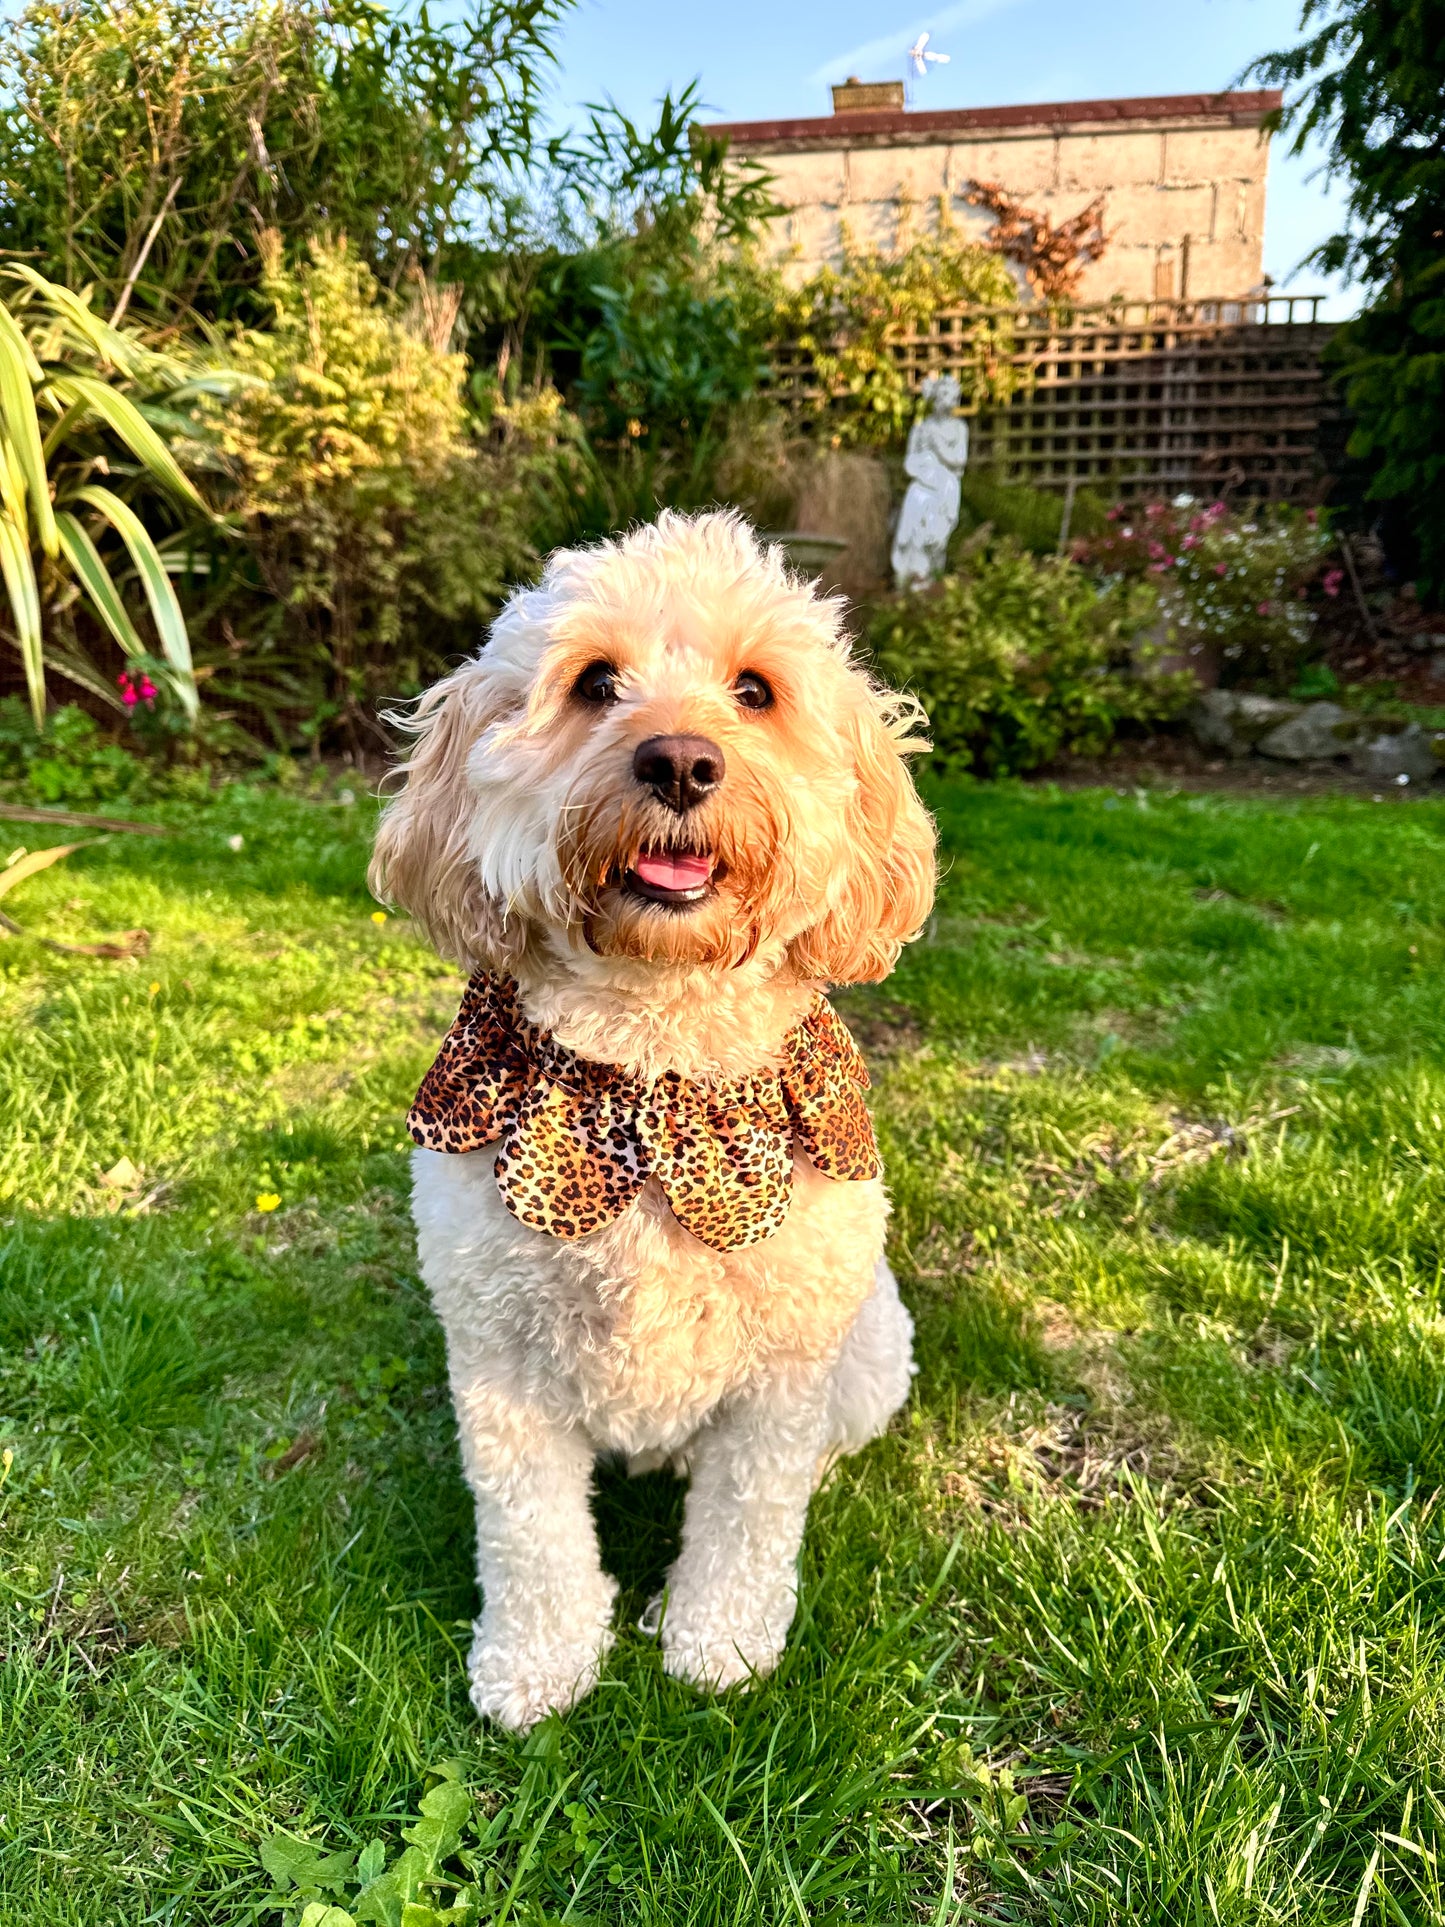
x: 639, y: 1521
x: 975, y: 1336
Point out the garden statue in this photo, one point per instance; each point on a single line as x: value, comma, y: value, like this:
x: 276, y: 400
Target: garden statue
x: 937, y: 451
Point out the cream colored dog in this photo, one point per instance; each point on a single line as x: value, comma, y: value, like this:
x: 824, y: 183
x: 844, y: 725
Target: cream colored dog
x: 672, y: 910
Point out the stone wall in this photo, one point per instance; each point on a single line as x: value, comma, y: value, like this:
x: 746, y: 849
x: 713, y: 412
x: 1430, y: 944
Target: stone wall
x: 1183, y: 180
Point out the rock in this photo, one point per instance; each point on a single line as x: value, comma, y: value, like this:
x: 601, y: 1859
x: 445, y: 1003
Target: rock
x: 1211, y: 718
x: 1320, y: 732
x: 1232, y: 721
x: 1236, y: 723
x: 1410, y: 752
x: 1255, y: 716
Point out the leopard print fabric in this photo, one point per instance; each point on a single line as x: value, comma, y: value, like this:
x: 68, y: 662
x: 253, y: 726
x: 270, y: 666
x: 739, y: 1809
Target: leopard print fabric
x: 579, y: 1140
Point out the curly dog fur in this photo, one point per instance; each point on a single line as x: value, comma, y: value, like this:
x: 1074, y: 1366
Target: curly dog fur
x: 516, y: 844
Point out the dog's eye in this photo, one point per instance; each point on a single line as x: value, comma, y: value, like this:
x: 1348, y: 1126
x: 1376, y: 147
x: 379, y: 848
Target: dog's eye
x: 597, y: 683
x: 752, y: 691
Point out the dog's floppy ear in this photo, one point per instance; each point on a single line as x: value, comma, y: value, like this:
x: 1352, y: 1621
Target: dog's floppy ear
x: 884, y: 896
x: 422, y: 861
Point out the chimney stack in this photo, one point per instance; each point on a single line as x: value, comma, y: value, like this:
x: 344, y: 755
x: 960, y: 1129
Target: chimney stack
x: 855, y: 96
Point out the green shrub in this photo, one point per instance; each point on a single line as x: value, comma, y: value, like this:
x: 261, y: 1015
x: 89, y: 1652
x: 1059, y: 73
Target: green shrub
x: 666, y: 309
x: 73, y: 761
x: 653, y: 314
x: 1018, y: 660
x: 669, y: 373
x: 668, y: 356
x: 848, y: 320
x: 1233, y: 581
x: 384, y: 528
x: 1034, y: 517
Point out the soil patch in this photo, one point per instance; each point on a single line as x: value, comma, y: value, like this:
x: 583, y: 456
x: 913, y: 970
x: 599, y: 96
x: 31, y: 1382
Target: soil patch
x: 1178, y: 763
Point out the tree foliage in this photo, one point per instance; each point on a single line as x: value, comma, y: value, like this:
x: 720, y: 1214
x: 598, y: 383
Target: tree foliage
x: 1369, y: 80
x: 675, y: 184
x: 144, y: 144
x: 849, y: 321
x: 628, y: 273
x: 382, y: 525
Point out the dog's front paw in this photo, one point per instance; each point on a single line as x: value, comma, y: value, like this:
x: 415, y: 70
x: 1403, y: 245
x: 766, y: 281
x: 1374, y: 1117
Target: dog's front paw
x: 517, y: 1684
x: 711, y: 1651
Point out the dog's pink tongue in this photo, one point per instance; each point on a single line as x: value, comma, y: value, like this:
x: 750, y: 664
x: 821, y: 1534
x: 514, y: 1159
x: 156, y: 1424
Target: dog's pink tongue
x: 673, y: 869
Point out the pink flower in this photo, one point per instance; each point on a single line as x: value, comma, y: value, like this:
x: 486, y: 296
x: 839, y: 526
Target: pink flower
x: 1332, y: 581
x: 1221, y: 568
x: 1262, y: 609
x: 132, y: 693
x: 1190, y: 542
x: 1156, y: 549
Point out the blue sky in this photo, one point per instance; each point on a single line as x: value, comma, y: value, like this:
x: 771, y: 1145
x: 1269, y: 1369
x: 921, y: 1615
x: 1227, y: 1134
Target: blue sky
x: 759, y: 59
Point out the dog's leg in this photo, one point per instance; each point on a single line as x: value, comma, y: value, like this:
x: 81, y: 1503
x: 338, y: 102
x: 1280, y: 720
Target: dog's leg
x: 546, y: 1602
x: 871, y: 1378
x: 733, y: 1588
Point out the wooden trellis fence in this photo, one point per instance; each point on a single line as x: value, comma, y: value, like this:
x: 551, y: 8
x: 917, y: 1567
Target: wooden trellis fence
x: 1141, y: 398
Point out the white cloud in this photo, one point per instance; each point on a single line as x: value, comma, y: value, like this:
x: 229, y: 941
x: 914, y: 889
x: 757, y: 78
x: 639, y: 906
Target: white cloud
x: 891, y: 47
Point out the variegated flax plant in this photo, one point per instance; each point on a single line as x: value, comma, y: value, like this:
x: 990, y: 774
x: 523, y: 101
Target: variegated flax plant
x: 79, y: 401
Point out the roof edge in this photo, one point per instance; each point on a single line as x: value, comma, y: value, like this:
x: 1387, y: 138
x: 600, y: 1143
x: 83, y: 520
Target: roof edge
x: 1236, y: 109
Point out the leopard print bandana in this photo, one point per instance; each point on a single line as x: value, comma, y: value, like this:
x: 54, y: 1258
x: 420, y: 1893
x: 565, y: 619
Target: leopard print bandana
x: 579, y: 1140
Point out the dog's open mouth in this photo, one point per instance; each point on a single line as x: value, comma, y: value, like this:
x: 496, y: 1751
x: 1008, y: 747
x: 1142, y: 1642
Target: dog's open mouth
x: 677, y: 878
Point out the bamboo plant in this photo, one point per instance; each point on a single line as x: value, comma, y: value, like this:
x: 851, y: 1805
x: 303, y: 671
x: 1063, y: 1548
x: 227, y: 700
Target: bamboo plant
x: 69, y: 417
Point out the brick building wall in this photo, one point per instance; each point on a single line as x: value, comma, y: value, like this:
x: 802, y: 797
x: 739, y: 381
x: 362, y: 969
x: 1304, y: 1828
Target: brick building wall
x: 1182, y: 176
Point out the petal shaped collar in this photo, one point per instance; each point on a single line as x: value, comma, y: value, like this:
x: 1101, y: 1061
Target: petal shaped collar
x: 578, y: 1140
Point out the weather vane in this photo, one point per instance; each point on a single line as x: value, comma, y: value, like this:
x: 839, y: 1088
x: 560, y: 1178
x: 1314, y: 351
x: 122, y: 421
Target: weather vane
x: 919, y: 54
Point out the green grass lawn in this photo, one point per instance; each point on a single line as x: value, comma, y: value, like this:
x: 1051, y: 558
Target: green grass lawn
x: 1137, y: 1615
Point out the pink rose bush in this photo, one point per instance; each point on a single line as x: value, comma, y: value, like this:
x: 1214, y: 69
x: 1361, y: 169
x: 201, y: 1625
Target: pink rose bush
x: 1237, y: 582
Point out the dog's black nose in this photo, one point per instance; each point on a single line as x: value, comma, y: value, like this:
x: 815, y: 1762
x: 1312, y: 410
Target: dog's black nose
x: 679, y: 770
